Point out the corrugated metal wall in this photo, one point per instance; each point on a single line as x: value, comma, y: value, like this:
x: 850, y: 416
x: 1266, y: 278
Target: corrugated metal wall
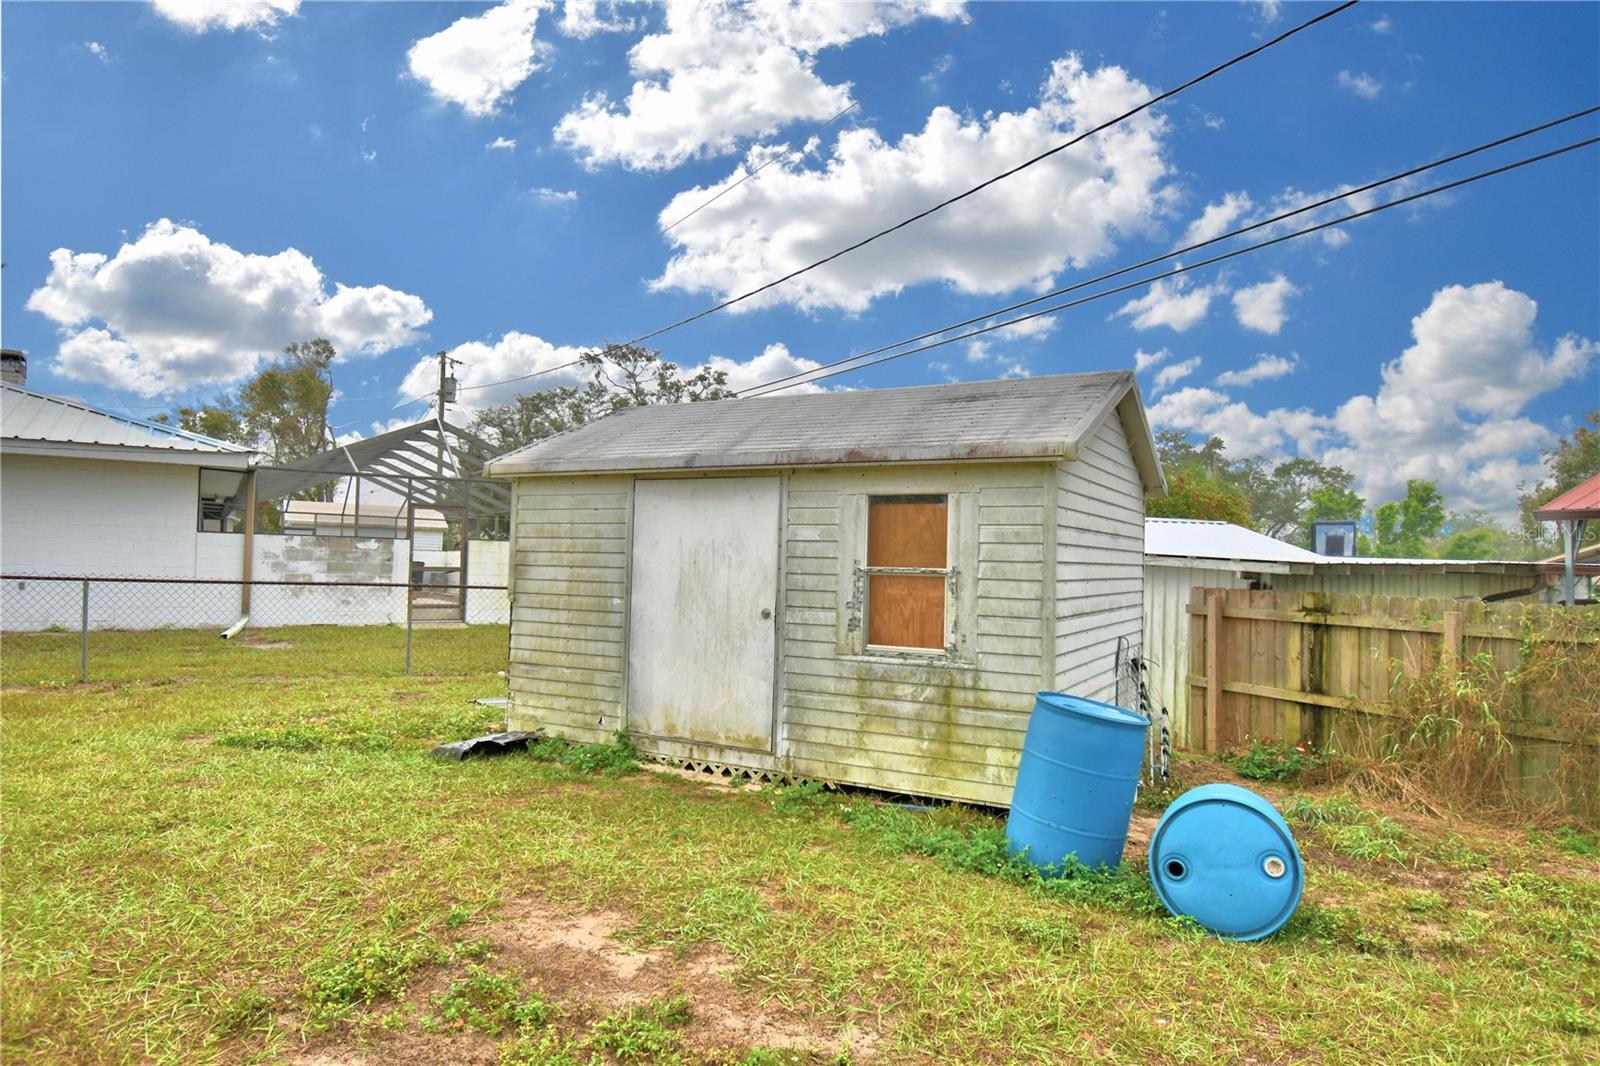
x: 1166, y: 632
x: 1381, y: 581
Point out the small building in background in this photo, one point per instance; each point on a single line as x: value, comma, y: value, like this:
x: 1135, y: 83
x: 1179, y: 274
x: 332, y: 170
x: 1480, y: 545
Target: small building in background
x: 368, y: 518
x: 866, y: 587
x: 1335, y: 538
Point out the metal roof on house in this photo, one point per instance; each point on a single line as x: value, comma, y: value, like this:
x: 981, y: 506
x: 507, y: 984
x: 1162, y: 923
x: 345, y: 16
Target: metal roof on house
x: 1194, y: 538
x: 33, y: 417
x: 1580, y: 502
x: 1041, y: 418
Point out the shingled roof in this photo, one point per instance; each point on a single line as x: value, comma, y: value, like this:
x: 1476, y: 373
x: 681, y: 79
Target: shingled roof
x: 1042, y: 418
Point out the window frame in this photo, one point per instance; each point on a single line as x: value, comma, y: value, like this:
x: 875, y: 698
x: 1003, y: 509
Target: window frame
x: 947, y: 648
x: 200, y: 501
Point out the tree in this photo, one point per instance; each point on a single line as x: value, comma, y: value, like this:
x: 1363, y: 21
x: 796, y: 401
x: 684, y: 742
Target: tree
x: 1572, y: 461
x: 621, y: 376
x: 1328, y: 503
x: 282, y: 412
x: 285, y: 406
x: 1193, y: 493
x: 1401, y: 529
x: 1282, y: 496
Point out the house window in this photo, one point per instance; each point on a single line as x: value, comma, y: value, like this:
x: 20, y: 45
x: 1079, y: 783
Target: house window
x: 908, y: 571
x: 222, y: 499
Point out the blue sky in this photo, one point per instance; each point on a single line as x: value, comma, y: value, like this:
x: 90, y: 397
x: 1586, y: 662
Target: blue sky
x: 188, y: 187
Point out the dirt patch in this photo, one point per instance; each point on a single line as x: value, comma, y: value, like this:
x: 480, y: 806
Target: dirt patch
x: 576, y: 962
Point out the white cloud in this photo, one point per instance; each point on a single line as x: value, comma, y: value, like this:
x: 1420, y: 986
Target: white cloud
x: 479, y: 60
x: 1170, y: 375
x: 1143, y: 360
x: 774, y: 362
x: 1218, y: 218
x: 1066, y: 212
x: 1449, y: 409
x: 584, y: 18
x: 508, y: 144
x: 1269, y: 11
x: 198, y: 16
x: 1172, y: 304
x: 98, y: 50
x: 1261, y: 307
x: 1363, y: 85
x: 554, y: 196
x: 1382, y: 25
x: 721, y: 72
x: 516, y: 355
x: 173, y: 310
x: 1265, y: 368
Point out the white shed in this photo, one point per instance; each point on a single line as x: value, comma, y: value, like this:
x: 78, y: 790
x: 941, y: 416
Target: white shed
x: 864, y: 587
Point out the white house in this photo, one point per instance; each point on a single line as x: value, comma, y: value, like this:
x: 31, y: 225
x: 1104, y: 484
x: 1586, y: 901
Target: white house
x: 865, y: 587
x: 87, y: 492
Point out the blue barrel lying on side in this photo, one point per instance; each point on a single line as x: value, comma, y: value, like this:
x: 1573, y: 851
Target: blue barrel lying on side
x: 1225, y: 857
x: 1076, y: 782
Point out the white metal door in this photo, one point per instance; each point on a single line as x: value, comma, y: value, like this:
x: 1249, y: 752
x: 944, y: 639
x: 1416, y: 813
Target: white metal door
x: 701, y: 631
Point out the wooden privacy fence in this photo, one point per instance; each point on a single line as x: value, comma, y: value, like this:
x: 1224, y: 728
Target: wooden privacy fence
x: 1322, y: 668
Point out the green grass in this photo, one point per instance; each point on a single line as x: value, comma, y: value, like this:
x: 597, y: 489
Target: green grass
x: 216, y: 867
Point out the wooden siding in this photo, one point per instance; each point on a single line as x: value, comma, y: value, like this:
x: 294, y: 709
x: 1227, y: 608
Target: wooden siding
x: 568, y: 605
x: 948, y: 726
x: 1099, y: 577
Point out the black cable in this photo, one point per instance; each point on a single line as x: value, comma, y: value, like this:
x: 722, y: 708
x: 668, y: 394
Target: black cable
x: 1274, y: 220
x: 1004, y: 174
x: 1205, y: 262
x: 726, y: 189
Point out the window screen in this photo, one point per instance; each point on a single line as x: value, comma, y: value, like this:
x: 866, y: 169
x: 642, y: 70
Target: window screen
x: 908, y: 546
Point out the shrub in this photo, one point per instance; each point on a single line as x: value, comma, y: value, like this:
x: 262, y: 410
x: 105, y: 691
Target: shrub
x: 1274, y: 761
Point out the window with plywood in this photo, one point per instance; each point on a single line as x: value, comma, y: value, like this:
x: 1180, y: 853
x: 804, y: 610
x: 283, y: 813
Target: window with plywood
x: 908, y: 570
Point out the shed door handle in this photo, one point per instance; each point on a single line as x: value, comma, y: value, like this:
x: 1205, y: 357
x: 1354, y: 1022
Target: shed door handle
x: 766, y: 612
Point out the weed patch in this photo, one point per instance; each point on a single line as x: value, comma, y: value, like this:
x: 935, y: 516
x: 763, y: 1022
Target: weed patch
x: 612, y: 760
x: 375, y: 971
x: 492, y: 1004
x: 1347, y: 827
x: 805, y: 798
x: 1275, y: 761
x: 299, y: 738
x: 647, y: 1033
x: 982, y: 849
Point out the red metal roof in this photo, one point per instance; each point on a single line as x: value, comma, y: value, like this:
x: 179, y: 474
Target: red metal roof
x: 1583, y: 501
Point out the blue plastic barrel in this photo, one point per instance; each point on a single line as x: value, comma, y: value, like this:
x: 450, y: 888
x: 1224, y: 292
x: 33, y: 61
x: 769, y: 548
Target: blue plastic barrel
x: 1225, y: 857
x: 1076, y: 782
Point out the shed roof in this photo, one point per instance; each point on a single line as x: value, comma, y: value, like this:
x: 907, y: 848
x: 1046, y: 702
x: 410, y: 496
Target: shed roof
x: 1195, y: 538
x: 1579, y: 502
x: 1042, y: 418
x: 35, y: 422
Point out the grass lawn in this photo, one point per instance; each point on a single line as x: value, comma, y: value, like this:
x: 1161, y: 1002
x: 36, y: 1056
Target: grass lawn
x: 241, y: 853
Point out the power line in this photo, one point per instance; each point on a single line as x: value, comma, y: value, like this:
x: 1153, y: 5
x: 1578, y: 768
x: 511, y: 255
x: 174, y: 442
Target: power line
x: 1272, y: 221
x: 749, y: 174
x: 1153, y: 101
x: 1203, y: 263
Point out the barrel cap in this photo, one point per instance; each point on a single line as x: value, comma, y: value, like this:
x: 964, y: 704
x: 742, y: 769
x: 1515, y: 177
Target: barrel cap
x: 1225, y: 857
x: 1106, y: 712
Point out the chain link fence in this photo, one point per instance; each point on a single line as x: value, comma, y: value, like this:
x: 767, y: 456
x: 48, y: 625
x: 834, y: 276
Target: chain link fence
x: 60, y: 628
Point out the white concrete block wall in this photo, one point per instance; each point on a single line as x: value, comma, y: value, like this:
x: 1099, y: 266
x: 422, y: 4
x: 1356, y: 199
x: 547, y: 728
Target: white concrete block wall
x: 132, y: 519
x: 488, y: 563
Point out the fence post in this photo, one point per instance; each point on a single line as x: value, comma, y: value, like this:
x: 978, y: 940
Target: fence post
x: 83, y: 634
x: 1213, y: 668
x: 408, y: 623
x: 1455, y: 633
